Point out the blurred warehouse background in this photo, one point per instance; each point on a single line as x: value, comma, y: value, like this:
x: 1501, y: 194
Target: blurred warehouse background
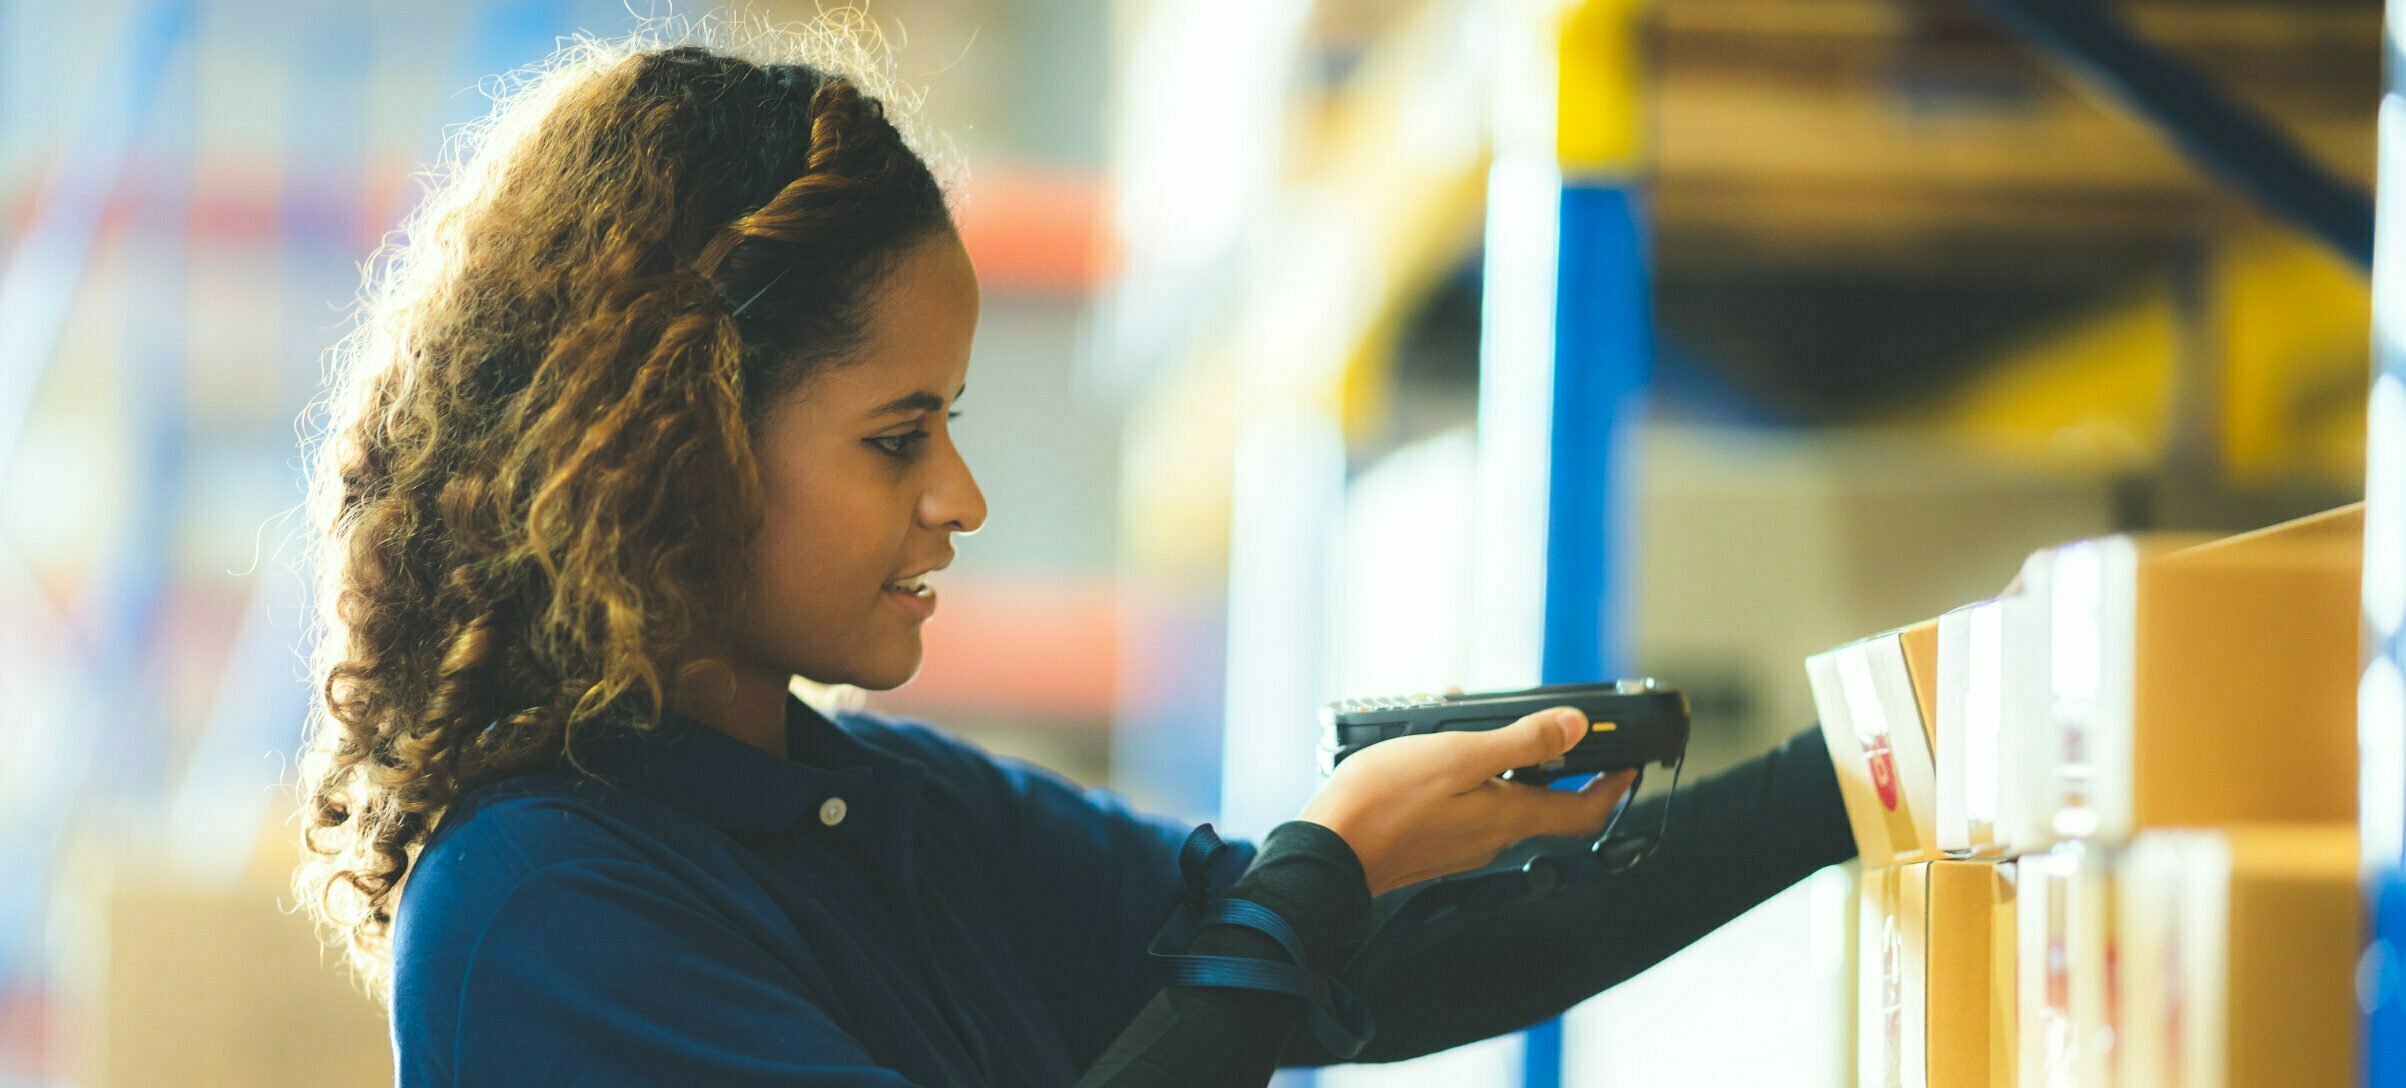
x: 1923, y: 297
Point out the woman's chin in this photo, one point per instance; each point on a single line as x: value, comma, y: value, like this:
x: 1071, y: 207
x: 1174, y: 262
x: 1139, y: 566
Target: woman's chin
x: 889, y: 672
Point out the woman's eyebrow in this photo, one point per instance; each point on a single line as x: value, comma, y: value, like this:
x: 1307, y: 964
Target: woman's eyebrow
x: 914, y: 403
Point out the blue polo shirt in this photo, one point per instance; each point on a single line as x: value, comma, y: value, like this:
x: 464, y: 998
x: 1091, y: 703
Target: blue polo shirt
x: 889, y: 906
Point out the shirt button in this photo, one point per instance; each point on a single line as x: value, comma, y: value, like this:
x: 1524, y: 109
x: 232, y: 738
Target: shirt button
x: 832, y: 812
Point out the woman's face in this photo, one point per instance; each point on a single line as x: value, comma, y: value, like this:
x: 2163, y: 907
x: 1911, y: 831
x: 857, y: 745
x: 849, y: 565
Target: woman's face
x: 862, y: 486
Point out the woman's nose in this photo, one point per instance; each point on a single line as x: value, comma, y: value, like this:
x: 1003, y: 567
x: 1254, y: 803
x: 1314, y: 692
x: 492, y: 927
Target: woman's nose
x: 957, y: 503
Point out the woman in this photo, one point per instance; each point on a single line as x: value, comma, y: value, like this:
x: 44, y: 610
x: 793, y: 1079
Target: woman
x: 646, y: 426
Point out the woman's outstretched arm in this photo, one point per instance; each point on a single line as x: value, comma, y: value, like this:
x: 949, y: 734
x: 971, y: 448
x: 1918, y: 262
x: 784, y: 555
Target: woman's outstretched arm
x: 1734, y: 840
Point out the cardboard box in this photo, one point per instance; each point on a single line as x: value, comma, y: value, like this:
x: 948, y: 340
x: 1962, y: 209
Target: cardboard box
x: 2065, y: 632
x: 2185, y: 685
x: 2006, y: 767
x: 1888, y: 1004
x: 2239, y: 957
x: 163, y: 975
x: 1974, y: 777
x: 1937, y: 943
x: 2065, y: 960
x: 1875, y: 697
x: 2004, y: 975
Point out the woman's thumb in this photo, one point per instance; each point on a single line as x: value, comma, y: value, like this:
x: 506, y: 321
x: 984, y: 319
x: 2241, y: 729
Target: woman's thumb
x: 1572, y: 724
x: 1531, y: 740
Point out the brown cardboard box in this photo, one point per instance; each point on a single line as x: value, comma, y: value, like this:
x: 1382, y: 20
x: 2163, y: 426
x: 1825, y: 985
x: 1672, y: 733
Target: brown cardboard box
x: 2196, y: 686
x: 2065, y: 683
x: 1874, y: 697
x: 2064, y: 1012
x: 169, y: 976
x: 1973, y: 773
x: 1888, y: 1007
x: 2239, y: 950
x: 1969, y: 905
x: 2004, y: 975
x: 1930, y: 936
x: 2253, y: 638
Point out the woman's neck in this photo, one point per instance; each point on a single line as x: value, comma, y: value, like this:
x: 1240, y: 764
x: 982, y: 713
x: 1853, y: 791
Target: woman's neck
x: 747, y: 704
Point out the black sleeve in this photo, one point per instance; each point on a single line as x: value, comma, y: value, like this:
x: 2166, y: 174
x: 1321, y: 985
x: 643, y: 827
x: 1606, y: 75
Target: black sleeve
x: 1734, y: 840
x: 1216, y: 1037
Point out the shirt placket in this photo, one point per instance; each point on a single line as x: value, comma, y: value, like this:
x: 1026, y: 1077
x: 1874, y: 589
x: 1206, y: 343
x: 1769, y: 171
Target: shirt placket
x: 900, y: 790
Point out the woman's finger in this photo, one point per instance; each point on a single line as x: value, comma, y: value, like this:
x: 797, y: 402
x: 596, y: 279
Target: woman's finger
x: 1521, y: 812
x: 1618, y: 782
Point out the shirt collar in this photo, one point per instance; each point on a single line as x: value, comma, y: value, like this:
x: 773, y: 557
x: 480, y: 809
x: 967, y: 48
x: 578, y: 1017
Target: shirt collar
x: 730, y: 784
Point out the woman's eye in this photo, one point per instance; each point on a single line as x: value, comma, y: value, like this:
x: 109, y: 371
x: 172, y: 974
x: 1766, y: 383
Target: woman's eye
x: 899, y: 445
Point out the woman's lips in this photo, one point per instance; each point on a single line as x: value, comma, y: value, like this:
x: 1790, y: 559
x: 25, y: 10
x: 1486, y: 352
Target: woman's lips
x: 918, y: 606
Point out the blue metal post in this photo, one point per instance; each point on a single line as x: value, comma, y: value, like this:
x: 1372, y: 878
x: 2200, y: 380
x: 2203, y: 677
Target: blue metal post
x: 2381, y: 692
x: 1602, y: 350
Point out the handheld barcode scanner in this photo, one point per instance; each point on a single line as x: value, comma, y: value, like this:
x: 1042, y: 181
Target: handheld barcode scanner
x: 1630, y: 724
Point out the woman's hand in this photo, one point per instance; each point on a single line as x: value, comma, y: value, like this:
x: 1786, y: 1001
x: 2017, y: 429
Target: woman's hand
x: 1418, y: 808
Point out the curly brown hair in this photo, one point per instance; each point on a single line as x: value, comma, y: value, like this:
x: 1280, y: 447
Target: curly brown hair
x: 536, y: 472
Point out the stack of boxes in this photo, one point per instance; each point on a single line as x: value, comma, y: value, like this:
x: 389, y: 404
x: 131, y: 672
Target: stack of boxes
x: 1936, y: 932
x: 2107, y: 819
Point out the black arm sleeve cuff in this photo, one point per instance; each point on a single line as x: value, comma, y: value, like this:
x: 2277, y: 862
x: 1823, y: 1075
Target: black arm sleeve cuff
x: 1215, y: 1037
x: 1311, y: 877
